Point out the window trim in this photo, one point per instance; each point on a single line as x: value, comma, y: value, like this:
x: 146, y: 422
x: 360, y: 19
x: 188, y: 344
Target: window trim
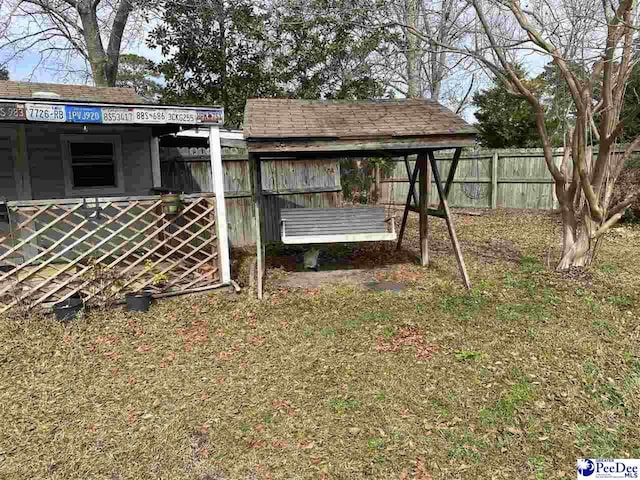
x: 70, y: 190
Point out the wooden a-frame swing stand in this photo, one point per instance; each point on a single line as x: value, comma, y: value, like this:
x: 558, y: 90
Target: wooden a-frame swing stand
x: 426, y: 165
x: 417, y: 201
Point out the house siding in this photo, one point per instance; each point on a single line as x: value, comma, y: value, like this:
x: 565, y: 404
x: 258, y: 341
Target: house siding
x: 7, y: 161
x: 45, y: 155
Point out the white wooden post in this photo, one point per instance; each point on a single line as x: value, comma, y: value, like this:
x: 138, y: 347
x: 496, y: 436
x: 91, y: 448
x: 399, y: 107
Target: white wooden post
x: 217, y: 174
x: 155, y: 162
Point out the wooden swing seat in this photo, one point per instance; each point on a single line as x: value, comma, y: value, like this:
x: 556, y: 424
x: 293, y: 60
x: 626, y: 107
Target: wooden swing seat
x: 336, y: 225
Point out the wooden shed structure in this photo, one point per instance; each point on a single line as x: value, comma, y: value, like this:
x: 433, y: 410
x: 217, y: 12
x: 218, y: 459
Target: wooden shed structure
x: 301, y: 129
x: 80, y: 196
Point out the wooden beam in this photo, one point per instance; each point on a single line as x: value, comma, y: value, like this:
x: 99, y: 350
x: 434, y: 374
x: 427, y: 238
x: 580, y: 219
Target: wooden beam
x: 450, y: 226
x: 423, y: 204
x: 22, y: 174
x: 155, y: 162
x: 434, y: 212
x: 21, y: 166
x: 407, y: 205
x: 256, y: 190
x: 462, y: 180
x: 452, y: 171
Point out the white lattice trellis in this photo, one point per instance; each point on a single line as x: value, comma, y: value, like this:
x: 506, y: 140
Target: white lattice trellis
x: 54, y: 246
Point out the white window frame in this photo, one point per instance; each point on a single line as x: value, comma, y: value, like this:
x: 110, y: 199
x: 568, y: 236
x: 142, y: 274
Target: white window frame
x: 70, y: 190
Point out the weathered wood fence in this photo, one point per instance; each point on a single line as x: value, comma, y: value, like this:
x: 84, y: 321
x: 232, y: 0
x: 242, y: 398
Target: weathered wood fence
x: 505, y: 178
x: 285, y: 183
x: 516, y: 178
x: 513, y: 178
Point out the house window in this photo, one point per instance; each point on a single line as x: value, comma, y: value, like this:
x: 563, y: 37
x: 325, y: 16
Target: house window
x: 93, y: 164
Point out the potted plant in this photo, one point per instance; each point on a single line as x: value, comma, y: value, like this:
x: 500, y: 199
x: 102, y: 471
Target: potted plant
x: 172, y: 202
x: 139, y: 301
x: 68, y: 308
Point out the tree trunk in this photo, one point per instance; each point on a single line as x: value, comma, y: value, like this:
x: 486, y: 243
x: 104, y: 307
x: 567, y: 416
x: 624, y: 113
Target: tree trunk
x: 413, y: 72
x: 577, y: 245
x: 104, y: 63
x: 95, y: 50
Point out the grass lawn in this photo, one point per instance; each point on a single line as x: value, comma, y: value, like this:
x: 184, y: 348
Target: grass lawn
x: 517, y: 379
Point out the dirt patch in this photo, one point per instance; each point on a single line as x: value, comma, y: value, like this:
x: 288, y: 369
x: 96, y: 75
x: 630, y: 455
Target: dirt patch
x: 324, y: 278
x: 386, y: 286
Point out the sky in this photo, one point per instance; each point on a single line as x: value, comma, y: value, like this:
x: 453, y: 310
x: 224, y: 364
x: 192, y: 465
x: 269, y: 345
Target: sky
x: 28, y: 67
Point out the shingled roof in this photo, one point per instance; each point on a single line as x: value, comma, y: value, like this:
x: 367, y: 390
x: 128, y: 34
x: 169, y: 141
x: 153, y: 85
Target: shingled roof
x: 302, y: 125
x: 77, y: 93
x: 287, y: 118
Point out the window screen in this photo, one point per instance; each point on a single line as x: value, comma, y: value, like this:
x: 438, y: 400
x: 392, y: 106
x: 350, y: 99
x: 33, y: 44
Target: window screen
x: 93, y: 164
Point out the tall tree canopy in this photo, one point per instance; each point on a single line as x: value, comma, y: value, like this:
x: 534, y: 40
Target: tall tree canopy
x: 226, y: 51
x: 507, y: 120
x: 216, y: 53
x: 326, y: 48
x: 139, y: 73
x: 504, y: 119
x: 4, y: 73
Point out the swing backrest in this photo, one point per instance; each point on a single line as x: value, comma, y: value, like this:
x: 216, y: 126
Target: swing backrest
x: 334, y: 225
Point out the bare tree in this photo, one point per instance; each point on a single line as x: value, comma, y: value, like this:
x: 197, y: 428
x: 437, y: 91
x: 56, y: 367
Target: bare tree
x: 599, y: 37
x: 68, y: 30
x: 421, y: 67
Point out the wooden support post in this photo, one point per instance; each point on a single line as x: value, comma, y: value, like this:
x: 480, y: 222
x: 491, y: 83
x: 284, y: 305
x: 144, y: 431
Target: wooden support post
x: 22, y: 176
x: 256, y: 191
x: 407, y: 205
x: 494, y: 180
x: 155, y: 162
x: 376, y: 185
x: 407, y: 166
x: 452, y: 171
x: 217, y: 173
x: 449, y: 219
x: 21, y: 167
x: 423, y: 204
x: 428, y: 182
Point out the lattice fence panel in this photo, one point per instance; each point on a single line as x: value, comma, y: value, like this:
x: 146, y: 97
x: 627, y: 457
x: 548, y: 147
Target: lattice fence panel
x: 102, y: 248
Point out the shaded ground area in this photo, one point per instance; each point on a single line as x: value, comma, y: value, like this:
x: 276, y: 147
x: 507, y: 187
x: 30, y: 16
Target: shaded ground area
x: 516, y: 379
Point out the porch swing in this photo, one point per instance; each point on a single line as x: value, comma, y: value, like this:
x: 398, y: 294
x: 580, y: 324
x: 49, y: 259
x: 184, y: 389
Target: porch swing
x: 337, y: 225
x: 295, y: 129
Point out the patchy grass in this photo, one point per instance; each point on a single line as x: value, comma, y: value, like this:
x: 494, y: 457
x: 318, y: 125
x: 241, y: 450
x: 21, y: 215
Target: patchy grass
x: 516, y: 379
x: 463, y: 355
x: 342, y: 405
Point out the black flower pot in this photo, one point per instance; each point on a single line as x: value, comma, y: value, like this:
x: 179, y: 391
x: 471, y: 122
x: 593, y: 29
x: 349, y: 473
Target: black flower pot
x: 68, y: 309
x: 139, y: 301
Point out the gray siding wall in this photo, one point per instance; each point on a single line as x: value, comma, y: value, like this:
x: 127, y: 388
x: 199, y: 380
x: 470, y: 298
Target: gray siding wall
x: 44, y: 148
x: 7, y: 152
